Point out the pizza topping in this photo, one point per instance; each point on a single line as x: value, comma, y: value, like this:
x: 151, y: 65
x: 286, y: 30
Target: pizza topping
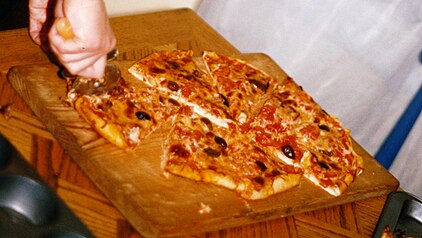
x: 261, y: 165
x: 207, y: 122
x: 143, y: 115
x: 173, y: 86
x: 134, y: 134
x: 259, y: 84
x: 323, y: 165
x: 225, y: 101
x: 288, y: 151
x: 212, y: 152
x: 173, y: 64
x: 220, y: 141
x: 259, y: 180
x: 174, y: 102
x: 324, y: 127
x: 179, y: 151
x: 157, y: 70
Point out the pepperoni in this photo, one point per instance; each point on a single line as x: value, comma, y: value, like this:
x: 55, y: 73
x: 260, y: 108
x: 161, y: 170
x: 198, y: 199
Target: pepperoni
x: 185, y: 110
x: 187, y: 91
x: 326, y: 182
x: 310, y: 132
x: 290, y: 169
x: 196, y: 135
x: 277, y: 128
x: 265, y: 139
x: 245, y: 126
x: 267, y: 112
x: 222, y: 72
x: 232, y: 126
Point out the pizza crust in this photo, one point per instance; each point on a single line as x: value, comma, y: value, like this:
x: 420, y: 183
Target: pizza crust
x: 108, y: 130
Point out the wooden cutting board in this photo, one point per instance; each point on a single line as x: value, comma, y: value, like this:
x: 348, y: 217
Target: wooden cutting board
x: 161, y: 206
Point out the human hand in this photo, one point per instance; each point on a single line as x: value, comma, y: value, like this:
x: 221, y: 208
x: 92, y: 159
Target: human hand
x: 38, y: 11
x: 84, y: 54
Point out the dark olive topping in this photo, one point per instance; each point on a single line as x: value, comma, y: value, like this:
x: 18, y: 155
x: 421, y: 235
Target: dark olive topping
x: 174, y: 102
x: 207, y: 122
x: 197, y: 74
x: 283, y: 96
x: 173, y: 86
x: 261, y: 165
x: 328, y: 153
x: 212, y: 152
x: 225, y: 101
x: 288, y: 151
x: 143, y: 115
x: 324, y: 127
x: 157, y: 70
x: 275, y: 173
x: 220, y: 141
x: 161, y: 99
x: 259, y: 84
x: 173, y: 64
x: 259, y: 180
x: 323, y: 165
x: 179, y: 151
x: 187, y: 76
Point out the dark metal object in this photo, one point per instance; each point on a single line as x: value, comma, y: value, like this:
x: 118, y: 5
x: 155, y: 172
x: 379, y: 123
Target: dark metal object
x: 82, y: 85
x: 403, y: 214
x: 28, y: 207
x: 95, y: 86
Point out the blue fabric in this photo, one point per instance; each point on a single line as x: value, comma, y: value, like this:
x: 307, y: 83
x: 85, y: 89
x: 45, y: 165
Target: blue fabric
x: 392, y: 144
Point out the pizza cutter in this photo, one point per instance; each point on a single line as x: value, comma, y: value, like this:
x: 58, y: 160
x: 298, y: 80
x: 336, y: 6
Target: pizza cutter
x: 83, y: 85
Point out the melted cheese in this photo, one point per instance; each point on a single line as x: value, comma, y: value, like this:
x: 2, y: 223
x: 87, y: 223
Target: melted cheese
x: 204, y: 113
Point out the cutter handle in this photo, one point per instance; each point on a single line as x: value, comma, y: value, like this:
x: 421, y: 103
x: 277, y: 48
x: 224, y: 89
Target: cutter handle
x: 64, y: 28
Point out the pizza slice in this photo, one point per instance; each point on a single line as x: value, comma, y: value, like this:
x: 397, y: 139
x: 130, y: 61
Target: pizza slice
x: 332, y: 164
x: 244, y: 86
x: 295, y: 129
x: 199, y: 149
x: 175, y: 74
x: 126, y: 115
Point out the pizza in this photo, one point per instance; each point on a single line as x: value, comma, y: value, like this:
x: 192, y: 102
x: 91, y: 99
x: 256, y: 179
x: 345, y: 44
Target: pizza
x: 231, y: 124
x: 244, y: 86
x: 201, y: 150
x: 176, y: 74
x: 126, y: 115
x: 293, y: 127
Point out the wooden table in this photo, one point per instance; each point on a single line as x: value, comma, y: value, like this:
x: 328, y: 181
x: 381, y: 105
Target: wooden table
x: 137, y: 35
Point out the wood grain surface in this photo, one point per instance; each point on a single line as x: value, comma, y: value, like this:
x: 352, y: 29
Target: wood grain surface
x: 137, y: 36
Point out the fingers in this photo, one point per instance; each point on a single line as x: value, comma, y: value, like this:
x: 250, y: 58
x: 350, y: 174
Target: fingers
x: 85, y: 53
x: 95, y: 70
x: 37, y: 18
x: 88, y: 67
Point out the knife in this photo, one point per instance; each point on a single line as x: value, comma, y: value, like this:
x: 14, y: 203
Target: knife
x: 83, y: 85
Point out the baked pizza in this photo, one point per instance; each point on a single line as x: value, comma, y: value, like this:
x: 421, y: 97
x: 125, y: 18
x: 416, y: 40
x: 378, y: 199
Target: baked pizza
x: 321, y: 146
x: 244, y: 86
x: 232, y: 124
x: 199, y: 149
x: 126, y: 115
x: 176, y: 74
